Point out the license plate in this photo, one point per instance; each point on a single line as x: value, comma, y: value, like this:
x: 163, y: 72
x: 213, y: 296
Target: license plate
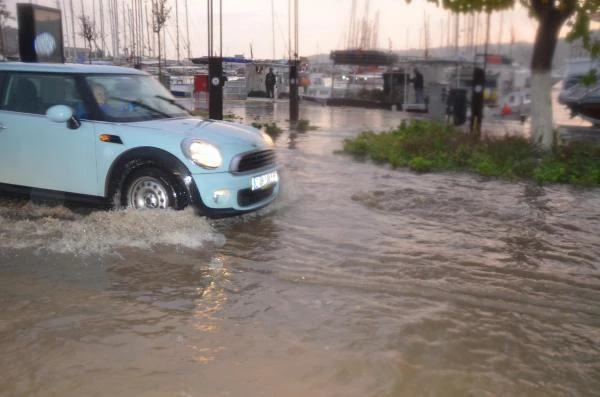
x: 258, y: 182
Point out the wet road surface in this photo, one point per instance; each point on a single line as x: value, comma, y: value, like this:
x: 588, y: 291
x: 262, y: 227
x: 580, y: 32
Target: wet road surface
x: 358, y: 281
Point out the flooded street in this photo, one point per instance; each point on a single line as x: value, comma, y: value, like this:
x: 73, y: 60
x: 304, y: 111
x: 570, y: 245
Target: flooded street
x: 358, y: 281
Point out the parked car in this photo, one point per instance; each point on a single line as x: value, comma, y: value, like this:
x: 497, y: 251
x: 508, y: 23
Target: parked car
x: 116, y: 134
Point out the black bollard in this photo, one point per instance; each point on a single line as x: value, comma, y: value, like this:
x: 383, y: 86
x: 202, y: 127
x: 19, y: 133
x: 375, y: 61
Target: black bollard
x: 293, y: 92
x: 215, y: 88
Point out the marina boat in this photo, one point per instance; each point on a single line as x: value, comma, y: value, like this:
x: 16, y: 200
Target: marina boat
x: 517, y: 102
x: 181, y: 79
x: 318, y: 88
x: 181, y: 86
x: 583, y: 100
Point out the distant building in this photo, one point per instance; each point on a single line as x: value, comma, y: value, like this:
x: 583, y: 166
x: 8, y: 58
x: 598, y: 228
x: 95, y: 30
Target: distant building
x: 9, y: 42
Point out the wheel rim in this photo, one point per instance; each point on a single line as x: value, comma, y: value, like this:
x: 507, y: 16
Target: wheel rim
x: 148, y: 192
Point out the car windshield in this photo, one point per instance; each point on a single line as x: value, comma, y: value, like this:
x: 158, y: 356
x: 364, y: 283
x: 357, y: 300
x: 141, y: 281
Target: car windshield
x: 131, y: 98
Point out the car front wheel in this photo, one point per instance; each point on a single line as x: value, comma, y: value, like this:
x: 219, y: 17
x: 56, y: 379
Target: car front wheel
x: 149, y: 188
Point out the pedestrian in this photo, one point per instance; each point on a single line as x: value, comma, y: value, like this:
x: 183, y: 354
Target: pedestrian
x: 418, y: 85
x: 270, y: 83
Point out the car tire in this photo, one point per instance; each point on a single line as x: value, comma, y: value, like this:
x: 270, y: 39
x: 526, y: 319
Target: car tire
x: 150, y: 188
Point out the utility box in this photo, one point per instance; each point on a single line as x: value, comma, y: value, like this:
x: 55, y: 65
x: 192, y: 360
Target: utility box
x: 437, y: 101
x: 201, y: 83
x: 394, y: 86
x: 457, y: 105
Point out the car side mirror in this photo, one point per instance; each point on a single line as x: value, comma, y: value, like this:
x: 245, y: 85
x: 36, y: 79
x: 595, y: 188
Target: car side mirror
x: 59, y: 113
x: 63, y: 114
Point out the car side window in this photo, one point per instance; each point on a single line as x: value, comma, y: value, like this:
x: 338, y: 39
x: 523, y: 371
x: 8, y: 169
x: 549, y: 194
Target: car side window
x: 22, y: 94
x: 35, y: 93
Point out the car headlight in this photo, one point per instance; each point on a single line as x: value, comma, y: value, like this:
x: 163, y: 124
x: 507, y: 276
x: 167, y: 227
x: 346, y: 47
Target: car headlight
x: 267, y: 138
x: 202, y: 153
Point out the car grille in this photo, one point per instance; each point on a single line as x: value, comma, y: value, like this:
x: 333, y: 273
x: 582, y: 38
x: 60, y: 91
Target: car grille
x: 248, y: 197
x: 253, y: 160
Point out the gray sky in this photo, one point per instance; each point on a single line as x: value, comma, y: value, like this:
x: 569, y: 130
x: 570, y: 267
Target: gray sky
x: 324, y: 25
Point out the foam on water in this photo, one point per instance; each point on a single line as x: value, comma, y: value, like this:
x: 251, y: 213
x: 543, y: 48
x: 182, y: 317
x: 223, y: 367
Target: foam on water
x: 61, y: 230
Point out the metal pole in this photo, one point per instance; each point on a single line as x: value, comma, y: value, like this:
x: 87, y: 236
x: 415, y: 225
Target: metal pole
x: 294, y: 71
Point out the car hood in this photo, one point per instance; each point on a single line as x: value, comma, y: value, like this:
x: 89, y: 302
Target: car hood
x: 221, y: 132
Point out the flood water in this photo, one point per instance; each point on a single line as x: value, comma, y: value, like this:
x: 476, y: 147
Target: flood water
x: 358, y: 281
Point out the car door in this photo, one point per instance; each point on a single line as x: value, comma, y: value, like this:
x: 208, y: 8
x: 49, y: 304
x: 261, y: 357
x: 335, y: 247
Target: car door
x: 36, y: 151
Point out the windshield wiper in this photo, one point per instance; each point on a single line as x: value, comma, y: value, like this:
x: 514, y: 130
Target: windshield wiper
x: 172, y: 102
x: 142, y: 105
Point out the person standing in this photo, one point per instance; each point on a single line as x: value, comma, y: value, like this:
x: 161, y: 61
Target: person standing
x: 270, y: 83
x: 418, y: 85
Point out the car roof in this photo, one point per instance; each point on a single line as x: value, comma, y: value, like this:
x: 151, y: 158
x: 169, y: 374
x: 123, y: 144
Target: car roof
x: 67, y: 68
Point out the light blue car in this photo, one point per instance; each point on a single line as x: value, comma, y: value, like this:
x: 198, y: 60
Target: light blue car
x: 116, y: 134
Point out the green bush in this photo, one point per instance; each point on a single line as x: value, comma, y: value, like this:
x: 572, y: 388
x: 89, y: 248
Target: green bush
x: 270, y: 129
x: 273, y: 130
x: 425, y: 146
x: 304, y: 125
x: 420, y: 164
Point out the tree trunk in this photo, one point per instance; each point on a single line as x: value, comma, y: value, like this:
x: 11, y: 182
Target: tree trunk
x: 550, y: 20
x: 542, y: 126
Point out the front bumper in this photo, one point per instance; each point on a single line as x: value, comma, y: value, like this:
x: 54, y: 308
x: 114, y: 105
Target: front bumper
x: 226, y: 194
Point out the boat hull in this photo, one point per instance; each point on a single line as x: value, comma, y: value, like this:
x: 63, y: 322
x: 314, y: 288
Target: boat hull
x: 588, y: 110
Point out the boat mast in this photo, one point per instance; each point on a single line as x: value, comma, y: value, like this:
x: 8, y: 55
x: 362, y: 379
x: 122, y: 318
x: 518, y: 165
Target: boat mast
x: 273, y: 26
x: 84, y: 43
x: 93, y: 19
x: 187, y: 28
x: 139, y: 30
x: 73, y: 29
x: 111, y: 27
x: 148, y: 29
x: 134, y: 31
x: 64, y: 17
x: 352, y: 33
x: 102, y: 37
x: 177, y: 28
x: 124, y: 25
